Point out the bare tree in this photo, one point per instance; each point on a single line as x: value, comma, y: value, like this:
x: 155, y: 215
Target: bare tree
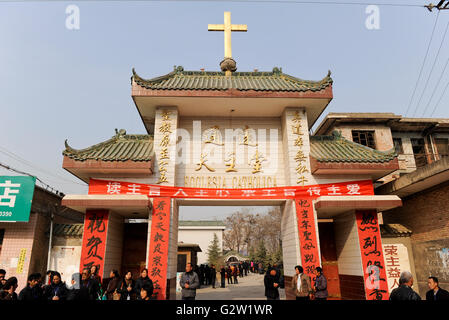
x: 248, y: 230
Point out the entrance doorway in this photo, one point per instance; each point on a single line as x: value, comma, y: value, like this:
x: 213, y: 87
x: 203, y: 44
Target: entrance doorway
x: 246, y: 233
x: 134, y: 246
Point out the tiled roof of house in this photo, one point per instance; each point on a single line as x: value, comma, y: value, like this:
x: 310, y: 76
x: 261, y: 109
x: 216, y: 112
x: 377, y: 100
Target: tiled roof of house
x: 121, y: 147
x: 335, y: 148
x: 201, y: 223
x: 394, y: 230
x: 276, y: 80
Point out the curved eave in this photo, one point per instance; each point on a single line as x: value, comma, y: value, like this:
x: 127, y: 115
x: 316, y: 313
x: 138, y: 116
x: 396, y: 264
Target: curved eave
x: 85, y: 170
x: 188, y: 81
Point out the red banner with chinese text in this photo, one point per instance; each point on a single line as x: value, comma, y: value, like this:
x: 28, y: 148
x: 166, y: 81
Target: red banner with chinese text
x: 374, y: 274
x: 94, y: 240
x: 351, y: 188
x: 159, y: 242
x: 305, y: 214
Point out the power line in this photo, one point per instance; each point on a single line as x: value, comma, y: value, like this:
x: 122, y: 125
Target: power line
x: 431, y: 71
x: 439, y: 100
x: 424, y: 62
x: 436, y: 86
x: 46, y: 186
x: 237, y: 1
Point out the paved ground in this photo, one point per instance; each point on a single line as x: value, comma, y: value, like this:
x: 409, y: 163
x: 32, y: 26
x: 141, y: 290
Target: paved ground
x: 250, y: 287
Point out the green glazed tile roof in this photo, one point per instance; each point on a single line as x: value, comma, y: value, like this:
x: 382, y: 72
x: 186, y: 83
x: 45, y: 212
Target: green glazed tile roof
x: 393, y: 230
x: 121, y: 147
x: 335, y: 148
x: 201, y: 223
x: 179, y: 79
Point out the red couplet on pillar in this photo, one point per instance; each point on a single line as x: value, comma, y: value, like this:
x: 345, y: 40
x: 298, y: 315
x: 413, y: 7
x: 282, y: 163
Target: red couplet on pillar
x: 307, y: 235
x: 159, y: 242
x: 94, y: 240
x: 374, y: 274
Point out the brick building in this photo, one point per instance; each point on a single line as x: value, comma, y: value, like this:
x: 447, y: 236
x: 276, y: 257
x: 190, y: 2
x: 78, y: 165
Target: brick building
x: 24, y: 245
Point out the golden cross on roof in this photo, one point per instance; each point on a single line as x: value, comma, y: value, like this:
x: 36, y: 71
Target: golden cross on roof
x: 227, y: 27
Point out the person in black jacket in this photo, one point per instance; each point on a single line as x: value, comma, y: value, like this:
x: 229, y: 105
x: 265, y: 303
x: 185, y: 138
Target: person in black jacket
x: 435, y: 293
x: 405, y: 291
x: 229, y: 274
x: 223, y: 276
x: 8, y: 292
x: 271, y: 281
x: 144, y: 281
x: 127, y: 287
x: 33, y: 290
x: 56, y: 290
x: 89, y: 286
x: 145, y: 293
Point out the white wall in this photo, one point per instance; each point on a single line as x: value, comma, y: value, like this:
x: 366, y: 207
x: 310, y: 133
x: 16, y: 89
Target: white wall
x: 291, y: 251
x: 201, y: 236
x: 347, y: 245
x: 114, y: 244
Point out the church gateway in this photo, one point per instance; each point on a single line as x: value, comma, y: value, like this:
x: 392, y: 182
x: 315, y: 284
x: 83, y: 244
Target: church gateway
x: 219, y: 138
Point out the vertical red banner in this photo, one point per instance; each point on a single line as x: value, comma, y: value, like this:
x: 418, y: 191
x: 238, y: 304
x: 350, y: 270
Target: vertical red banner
x: 159, y: 243
x: 374, y: 274
x: 310, y: 257
x: 94, y: 240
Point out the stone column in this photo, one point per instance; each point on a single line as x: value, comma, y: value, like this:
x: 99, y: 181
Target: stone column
x: 166, y: 123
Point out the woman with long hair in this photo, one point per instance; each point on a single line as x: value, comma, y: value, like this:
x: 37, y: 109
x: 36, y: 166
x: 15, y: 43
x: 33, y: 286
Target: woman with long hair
x: 126, y: 287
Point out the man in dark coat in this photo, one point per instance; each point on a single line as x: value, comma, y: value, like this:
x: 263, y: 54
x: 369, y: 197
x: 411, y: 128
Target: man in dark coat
x: 271, y: 282
x: 435, y: 293
x: 229, y: 274
x: 8, y: 292
x: 405, y: 291
x: 240, y: 267
x: 33, y: 290
x: 213, y: 275
x: 189, y: 283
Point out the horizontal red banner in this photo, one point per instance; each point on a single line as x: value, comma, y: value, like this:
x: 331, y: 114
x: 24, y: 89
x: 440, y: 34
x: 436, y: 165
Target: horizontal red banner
x: 351, y: 188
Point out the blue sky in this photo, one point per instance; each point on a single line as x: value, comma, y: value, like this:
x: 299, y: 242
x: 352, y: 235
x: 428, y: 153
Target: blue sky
x: 57, y: 83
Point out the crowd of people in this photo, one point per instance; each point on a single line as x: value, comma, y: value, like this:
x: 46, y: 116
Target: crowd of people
x: 204, y: 275
x: 86, y: 285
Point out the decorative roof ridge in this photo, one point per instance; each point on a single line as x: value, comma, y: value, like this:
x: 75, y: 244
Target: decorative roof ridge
x: 119, y: 135
x: 337, y: 136
x: 179, y: 70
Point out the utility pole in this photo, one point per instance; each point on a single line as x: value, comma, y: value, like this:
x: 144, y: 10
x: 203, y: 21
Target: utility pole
x: 442, y: 5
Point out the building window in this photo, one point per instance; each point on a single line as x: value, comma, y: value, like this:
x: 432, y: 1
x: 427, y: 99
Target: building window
x: 398, y: 145
x: 419, y: 152
x: 365, y: 138
x: 182, y: 262
x: 442, y: 147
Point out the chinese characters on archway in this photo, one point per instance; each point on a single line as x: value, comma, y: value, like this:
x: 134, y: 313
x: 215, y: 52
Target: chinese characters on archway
x: 164, y: 154
x: 158, y: 255
x: 364, y: 187
x: 94, y: 240
x: 376, y: 287
x: 307, y: 235
x: 300, y: 157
